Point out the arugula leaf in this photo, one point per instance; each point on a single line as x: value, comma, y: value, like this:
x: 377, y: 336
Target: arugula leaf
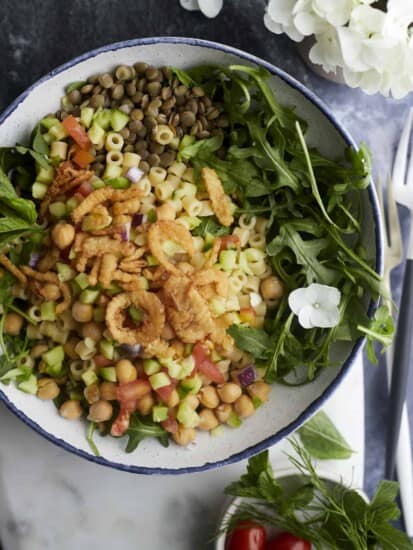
x: 210, y: 225
x: 201, y: 149
x: 322, y: 439
x: 182, y: 76
x: 141, y: 427
x: 13, y: 227
x: 254, y: 340
x: 40, y: 158
x: 381, y: 329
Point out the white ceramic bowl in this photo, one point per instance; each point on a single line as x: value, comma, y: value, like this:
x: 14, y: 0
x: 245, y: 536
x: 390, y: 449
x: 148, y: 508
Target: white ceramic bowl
x: 288, y: 478
x: 287, y: 407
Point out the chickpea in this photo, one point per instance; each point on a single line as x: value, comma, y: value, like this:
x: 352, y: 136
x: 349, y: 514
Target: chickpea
x: 223, y: 412
x: 145, y: 404
x: 13, y: 323
x: 92, y: 330
x: 100, y: 411
x: 272, y: 288
x: 173, y: 399
x: 244, y: 406
x: 107, y: 391
x: 183, y: 436
x: 192, y: 401
x: 47, y: 389
x: 125, y: 371
x: 38, y: 350
x: 71, y: 409
x: 63, y: 235
x: 70, y: 346
x: 229, y: 392
x: 165, y: 212
x: 260, y: 390
x: 82, y: 313
x: 92, y: 393
x: 168, y: 332
x: 50, y: 291
x: 208, y: 420
x: 209, y: 397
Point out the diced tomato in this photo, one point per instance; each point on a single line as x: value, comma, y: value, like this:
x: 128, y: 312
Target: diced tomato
x: 76, y: 132
x: 165, y: 393
x: 287, y: 541
x: 82, y: 158
x: 248, y: 535
x: 121, y: 423
x: 132, y: 391
x: 85, y: 189
x: 248, y: 315
x: 102, y: 361
x: 205, y: 365
x: 170, y: 425
x: 229, y: 241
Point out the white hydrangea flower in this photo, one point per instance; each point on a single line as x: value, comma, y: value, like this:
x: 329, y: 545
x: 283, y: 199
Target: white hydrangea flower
x: 210, y: 8
x: 327, y: 51
x: 279, y: 18
x: 316, y: 305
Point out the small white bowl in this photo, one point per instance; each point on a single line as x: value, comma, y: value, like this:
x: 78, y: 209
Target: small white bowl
x: 287, y: 407
x: 285, y: 476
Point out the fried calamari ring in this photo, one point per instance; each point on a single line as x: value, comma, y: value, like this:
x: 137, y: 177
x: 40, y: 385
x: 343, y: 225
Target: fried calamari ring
x: 220, y: 202
x: 214, y: 277
x: 164, y: 230
x: 151, y: 327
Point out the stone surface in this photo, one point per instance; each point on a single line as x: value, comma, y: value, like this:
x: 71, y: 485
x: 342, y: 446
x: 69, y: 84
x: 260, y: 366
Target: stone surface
x: 38, y: 35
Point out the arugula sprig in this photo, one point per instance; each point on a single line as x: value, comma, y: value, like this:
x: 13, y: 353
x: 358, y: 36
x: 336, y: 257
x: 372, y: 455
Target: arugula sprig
x: 141, y: 427
x: 315, y: 211
x: 330, y: 516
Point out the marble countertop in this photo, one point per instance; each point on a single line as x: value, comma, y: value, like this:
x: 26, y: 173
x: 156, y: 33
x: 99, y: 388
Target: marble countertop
x: 41, y: 34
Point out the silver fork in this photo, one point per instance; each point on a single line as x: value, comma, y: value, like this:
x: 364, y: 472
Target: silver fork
x: 403, y: 193
x: 393, y: 255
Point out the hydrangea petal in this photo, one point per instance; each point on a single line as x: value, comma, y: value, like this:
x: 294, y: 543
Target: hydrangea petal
x: 280, y: 11
x: 325, y: 318
x: 367, y: 20
x: 351, y: 46
x: 327, y: 296
x: 298, y: 299
x: 309, y: 23
x: 305, y: 317
x: 190, y: 5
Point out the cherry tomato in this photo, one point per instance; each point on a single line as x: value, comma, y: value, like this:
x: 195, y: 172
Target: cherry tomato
x: 228, y: 241
x: 205, y: 365
x: 164, y: 393
x: 248, y: 535
x: 170, y: 424
x: 85, y: 189
x: 82, y: 158
x: 287, y: 541
x: 76, y: 132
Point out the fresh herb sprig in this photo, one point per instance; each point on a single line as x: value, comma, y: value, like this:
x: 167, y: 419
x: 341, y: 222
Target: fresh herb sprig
x: 315, y: 212
x: 330, y: 516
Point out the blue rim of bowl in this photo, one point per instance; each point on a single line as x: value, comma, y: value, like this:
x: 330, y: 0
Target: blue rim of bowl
x: 316, y: 404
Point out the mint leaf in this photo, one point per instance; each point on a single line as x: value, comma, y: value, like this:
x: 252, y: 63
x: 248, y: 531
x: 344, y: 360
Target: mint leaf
x: 322, y: 439
x: 141, y: 427
x: 390, y: 538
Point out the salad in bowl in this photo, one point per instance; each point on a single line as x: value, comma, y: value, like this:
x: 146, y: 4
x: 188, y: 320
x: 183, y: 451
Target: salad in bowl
x: 171, y: 246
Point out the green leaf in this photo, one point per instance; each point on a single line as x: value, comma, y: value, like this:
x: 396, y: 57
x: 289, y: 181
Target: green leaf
x: 141, y: 427
x: 322, y: 439
x: 75, y: 86
x: 254, y: 340
x: 182, y: 76
x: 380, y: 329
x: 211, y: 226
x: 25, y: 208
x: 13, y: 227
x: 201, y: 149
x: 383, y: 502
x: 390, y: 538
x: 40, y: 158
x: 38, y: 142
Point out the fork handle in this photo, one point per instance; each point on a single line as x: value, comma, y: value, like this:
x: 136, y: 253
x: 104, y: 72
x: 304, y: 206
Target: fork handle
x: 400, y: 371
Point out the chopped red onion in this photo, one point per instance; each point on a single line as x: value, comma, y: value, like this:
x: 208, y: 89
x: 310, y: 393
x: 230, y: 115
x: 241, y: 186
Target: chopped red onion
x: 34, y: 258
x: 247, y: 376
x: 132, y: 351
x: 138, y: 219
x: 134, y: 174
x: 125, y: 232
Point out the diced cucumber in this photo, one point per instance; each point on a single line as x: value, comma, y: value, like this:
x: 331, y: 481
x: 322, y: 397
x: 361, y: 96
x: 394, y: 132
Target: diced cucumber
x: 86, y: 116
x: 45, y: 175
x: 103, y: 118
x: 96, y: 134
x: 171, y: 248
x: 187, y: 416
x: 187, y: 365
x: 151, y: 366
x: 89, y: 296
x: 234, y: 421
x: 54, y: 356
x: 108, y: 373
x: 107, y: 349
x: 112, y: 172
x: 192, y: 384
x: 49, y: 121
x: 39, y: 190
x: 159, y: 380
x: 159, y: 413
x: 82, y: 280
x: 29, y: 385
x: 65, y: 272
x: 228, y: 259
x: 58, y: 132
x: 118, y: 119
x: 151, y: 260
x: 217, y: 431
x: 118, y: 183
x: 58, y: 209
x: 48, y: 311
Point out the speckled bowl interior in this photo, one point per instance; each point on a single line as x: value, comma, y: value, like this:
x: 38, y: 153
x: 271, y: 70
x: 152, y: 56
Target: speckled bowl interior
x: 287, y: 407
